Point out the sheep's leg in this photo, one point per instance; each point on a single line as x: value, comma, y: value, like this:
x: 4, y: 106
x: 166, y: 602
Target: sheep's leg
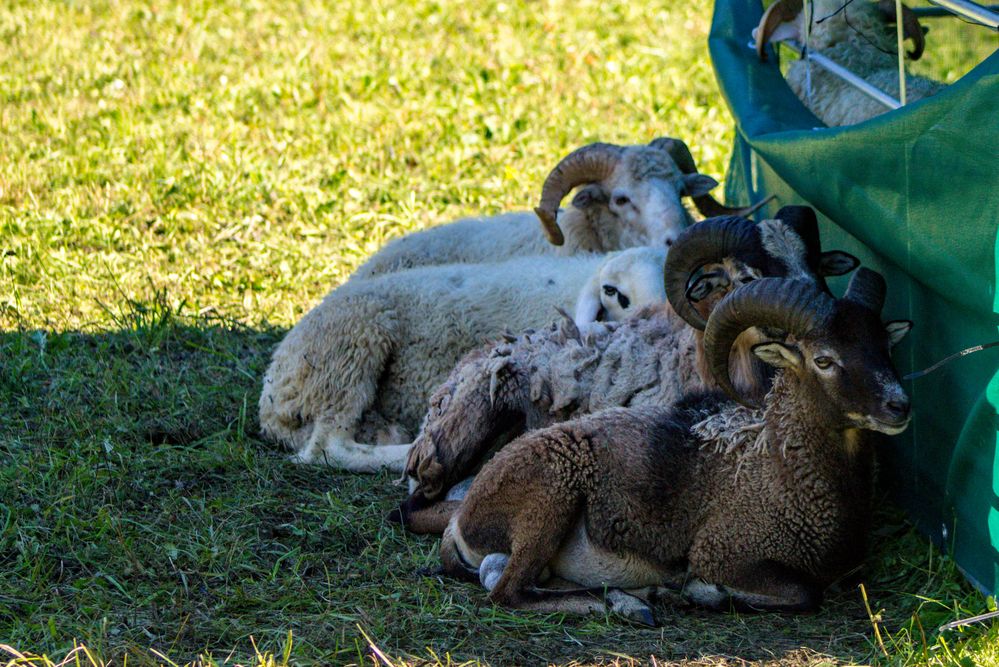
x: 571, y: 601
x: 539, y: 534
x: 337, y: 366
x: 338, y: 449
x: 425, y: 519
x: 758, y: 586
x: 614, y: 601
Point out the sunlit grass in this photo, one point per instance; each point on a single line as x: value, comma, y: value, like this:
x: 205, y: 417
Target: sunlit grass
x: 179, y: 182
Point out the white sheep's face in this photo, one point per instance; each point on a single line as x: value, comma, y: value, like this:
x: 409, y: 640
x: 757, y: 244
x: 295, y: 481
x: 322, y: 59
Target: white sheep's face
x: 631, y: 281
x: 649, y: 211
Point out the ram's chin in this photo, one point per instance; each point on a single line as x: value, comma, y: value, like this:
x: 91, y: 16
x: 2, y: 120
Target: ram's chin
x: 874, y: 424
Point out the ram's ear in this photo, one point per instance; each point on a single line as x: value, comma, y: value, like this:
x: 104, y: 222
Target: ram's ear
x: 707, y: 284
x: 590, y: 195
x: 588, y: 304
x: 779, y: 355
x: 695, y: 185
x: 837, y: 263
x: 897, y: 329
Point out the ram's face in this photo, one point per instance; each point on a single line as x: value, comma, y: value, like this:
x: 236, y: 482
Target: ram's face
x: 847, y: 363
x: 648, y: 210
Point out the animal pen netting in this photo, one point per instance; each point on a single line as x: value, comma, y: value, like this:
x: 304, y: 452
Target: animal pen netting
x: 913, y: 193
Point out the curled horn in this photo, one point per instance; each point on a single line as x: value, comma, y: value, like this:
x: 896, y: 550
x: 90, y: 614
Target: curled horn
x: 707, y: 241
x: 781, y: 11
x: 591, y: 163
x: 794, y: 306
x: 867, y: 288
x: 706, y: 204
x: 910, y: 25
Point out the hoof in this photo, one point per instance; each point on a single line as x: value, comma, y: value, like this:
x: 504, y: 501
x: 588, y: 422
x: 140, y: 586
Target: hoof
x: 299, y: 458
x: 630, y: 607
x: 491, y: 570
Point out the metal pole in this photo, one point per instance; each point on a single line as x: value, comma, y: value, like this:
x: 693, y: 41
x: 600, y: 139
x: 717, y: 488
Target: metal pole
x: 971, y: 11
x: 845, y: 74
x: 940, y: 12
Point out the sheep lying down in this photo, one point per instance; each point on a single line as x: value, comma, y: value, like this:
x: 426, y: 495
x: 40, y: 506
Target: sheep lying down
x: 347, y: 386
x: 649, y: 359
x: 756, y: 507
x: 628, y: 196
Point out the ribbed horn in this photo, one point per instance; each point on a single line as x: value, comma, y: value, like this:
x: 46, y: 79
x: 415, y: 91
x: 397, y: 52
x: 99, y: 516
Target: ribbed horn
x: 794, y: 306
x: 781, y: 11
x: 910, y: 26
x: 706, y: 242
x: 706, y: 204
x: 588, y: 164
x: 868, y: 289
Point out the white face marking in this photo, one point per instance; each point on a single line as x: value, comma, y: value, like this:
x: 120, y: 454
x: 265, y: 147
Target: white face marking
x: 636, y: 273
x: 653, y: 214
x: 891, y: 390
x: 664, y: 214
x: 783, y: 243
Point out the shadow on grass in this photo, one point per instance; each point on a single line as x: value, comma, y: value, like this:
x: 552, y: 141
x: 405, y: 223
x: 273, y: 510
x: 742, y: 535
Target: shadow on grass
x: 140, y: 510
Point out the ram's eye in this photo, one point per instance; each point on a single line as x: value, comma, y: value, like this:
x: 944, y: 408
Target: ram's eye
x: 610, y: 290
x: 823, y: 362
x: 622, y: 200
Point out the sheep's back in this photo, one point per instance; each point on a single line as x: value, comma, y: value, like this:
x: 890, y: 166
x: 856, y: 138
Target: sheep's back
x: 447, y: 311
x: 467, y: 241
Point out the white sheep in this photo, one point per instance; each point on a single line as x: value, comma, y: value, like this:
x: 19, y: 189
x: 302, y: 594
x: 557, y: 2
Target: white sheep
x: 631, y: 197
x: 347, y: 386
x: 854, y: 35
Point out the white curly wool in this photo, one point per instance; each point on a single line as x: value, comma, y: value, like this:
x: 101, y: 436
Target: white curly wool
x: 857, y: 39
x: 349, y: 383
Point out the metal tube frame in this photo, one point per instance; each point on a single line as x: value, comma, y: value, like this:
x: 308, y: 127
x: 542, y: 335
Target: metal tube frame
x: 971, y: 11
x: 963, y: 8
x: 941, y: 12
x: 843, y: 73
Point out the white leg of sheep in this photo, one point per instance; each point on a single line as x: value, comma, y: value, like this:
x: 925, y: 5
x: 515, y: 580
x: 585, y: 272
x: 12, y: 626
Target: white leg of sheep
x: 337, y: 448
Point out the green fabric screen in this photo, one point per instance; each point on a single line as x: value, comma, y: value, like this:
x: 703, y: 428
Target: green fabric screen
x: 913, y: 194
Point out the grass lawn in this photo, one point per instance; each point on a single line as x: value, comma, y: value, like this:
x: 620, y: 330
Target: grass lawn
x: 179, y: 183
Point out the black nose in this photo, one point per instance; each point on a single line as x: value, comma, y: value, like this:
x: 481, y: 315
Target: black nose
x: 899, y: 408
x: 669, y: 242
